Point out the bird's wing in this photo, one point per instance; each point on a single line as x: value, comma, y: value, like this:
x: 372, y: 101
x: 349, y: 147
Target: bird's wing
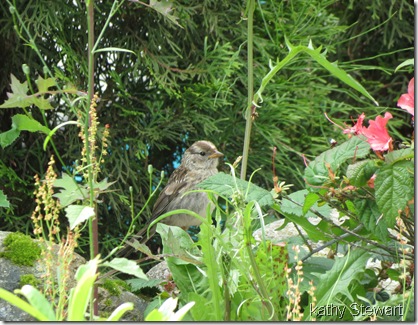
x: 177, y: 185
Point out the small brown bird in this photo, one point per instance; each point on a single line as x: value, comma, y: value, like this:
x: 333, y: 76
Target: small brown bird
x: 198, y: 163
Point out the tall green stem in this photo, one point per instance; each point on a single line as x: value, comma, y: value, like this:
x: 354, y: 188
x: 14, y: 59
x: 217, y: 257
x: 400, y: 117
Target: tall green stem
x: 93, y: 224
x: 248, y: 114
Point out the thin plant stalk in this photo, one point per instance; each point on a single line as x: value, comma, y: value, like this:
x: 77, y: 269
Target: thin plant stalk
x: 93, y: 224
x: 250, y: 90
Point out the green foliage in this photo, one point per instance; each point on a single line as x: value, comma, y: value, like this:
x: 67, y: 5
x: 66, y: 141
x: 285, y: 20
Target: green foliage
x: 114, y: 286
x: 4, y: 203
x: 394, y: 187
x: 21, y: 249
x: 29, y: 279
x: 324, y: 167
x: 20, y: 123
x: 39, y: 307
x: 226, y: 185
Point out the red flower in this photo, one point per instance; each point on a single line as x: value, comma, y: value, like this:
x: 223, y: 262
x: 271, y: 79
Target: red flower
x: 377, y: 134
x: 357, y: 128
x: 406, y: 101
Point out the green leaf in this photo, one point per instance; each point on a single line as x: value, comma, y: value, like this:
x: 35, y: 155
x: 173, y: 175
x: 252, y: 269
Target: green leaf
x: 19, y: 97
x: 370, y: 216
x: 23, y: 305
x: 126, y: 266
x: 20, y: 123
x: 405, y: 63
x: 401, y: 154
x: 76, y: 214
x: 38, y: 301
x: 300, y: 209
x: 361, y: 172
x: 314, y: 232
x: 226, y: 185
x: 113, y: 49
x: 394, y: 187
x: 138, y: 284
x: 80, y: 295
x: 4, y: 203
x: 44, y: 84
x: 26, y: 123
x: 70, y: 192
x: 310, y: 199
x: 272, y: 260
x: 317, y: 173
x: 8, y: 137
x: 321, y: 59
x: 120, y: 311
x: 336, y: 281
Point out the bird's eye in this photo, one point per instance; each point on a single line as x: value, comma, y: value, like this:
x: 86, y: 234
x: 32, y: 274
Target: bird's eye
x: 202, y: 153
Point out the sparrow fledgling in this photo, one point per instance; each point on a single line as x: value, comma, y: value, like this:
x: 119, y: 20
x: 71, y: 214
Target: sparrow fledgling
x: 198, y: 163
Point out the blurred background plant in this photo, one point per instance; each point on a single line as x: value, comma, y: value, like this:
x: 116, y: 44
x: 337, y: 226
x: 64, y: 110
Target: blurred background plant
x: 187, y: 81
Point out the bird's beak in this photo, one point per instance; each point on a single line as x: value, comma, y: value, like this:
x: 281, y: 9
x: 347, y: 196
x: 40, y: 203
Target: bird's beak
x: 216, y: 154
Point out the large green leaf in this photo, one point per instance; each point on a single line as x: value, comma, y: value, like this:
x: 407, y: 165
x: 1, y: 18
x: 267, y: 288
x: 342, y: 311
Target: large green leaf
x: 20, y: 123
x: 19, y: 96
x: 226, y: 185
x: 314, y: 232
x: 77, y: 214
x: 370, y: 216
x: 317, y: 172
x: 299, y: 208
x: 126, y: 266
x: 360, y: 172
x: 394, y: 187
x: 398, y: 155
x: 335, y: 282
x: 70, y: 192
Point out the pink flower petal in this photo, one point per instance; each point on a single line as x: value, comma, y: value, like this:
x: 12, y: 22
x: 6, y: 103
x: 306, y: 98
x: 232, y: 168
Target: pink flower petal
x: 357, y: 128
x: 377, y: 134
x: 406, y: 101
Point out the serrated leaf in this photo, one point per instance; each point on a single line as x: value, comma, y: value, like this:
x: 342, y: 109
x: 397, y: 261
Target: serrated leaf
x: 336, y: 281
x: 317, y: 172
x: 310, y: 199
x: 26, y: 123
x: 360, y: 172
x: 138, y: 284
x: 314, y: 232
x: 4, y: 203
x: 126, y: 266
x: 272, y: 260
x: 103, y: 184
x: 226, y: 185
x: 298, y: 209
x: 370, y: 216
x: 8, y: 137
x: 20, y: 123
x: 394, y: 187
x: 76, y: 214
x: 18, y: 96
x: 401, y: 154
x: 70, y: 192
x: 44, y: 84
